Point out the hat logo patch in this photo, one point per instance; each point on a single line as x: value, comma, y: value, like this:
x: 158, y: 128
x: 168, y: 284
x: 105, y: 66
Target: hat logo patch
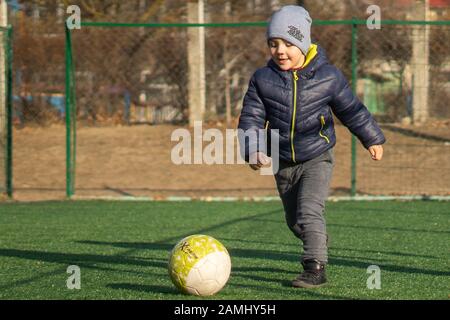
x: 296, y: 33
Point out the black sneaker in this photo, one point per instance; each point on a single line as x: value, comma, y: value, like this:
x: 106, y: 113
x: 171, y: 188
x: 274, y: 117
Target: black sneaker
x: 313, y: 275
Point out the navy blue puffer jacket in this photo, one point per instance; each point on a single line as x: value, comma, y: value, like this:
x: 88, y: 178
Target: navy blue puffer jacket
x: 300, y: 104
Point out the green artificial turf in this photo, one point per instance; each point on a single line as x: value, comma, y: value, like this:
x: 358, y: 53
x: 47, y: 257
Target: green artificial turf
x: 122, y: 249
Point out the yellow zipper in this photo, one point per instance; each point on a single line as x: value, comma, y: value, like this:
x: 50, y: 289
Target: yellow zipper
x: 322, y: 121
x: 293, y: 115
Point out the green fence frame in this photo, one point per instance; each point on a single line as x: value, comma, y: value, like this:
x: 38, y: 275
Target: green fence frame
x: 70, y: 117
x: 8, y: 53
x: 70, y: 79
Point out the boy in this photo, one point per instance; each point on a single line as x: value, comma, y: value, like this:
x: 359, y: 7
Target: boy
x: 295, y: 93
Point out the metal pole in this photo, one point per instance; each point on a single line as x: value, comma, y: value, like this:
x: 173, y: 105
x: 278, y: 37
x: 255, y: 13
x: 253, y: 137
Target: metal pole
x: 4, y: 92
x: 69, y: 155
x: 9, y: 99
x: 354, y: 80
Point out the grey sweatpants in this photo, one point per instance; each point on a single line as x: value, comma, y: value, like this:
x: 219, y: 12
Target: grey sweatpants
x: 303, y: 189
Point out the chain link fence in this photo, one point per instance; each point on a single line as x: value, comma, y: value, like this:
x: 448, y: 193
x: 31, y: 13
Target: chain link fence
x: 39, y: 80
x: 125, y: 76
x: 404, y: 79
x: 146, y: 68
x: 139, y: 74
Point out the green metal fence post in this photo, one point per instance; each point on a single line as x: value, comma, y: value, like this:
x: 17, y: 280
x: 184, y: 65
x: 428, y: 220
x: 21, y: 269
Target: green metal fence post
x: 69, y: 110
x: 354, y: 80
x: 9, y: 100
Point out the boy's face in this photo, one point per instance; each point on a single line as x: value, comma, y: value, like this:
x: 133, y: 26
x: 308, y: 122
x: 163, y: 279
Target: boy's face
x: 286, y: 55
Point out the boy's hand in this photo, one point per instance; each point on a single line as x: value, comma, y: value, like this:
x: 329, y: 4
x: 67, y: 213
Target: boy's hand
x: 258, y: 159
x: 376, y: 151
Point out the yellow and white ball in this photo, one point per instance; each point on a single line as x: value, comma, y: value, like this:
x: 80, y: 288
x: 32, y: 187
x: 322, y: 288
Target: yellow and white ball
x: 199, y: 265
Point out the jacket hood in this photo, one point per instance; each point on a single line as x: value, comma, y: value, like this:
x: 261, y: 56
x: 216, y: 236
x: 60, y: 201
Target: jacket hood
x: 315, y: 59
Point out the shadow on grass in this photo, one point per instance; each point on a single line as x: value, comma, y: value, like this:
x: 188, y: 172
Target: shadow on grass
x: 157, y: 246
x: 251, y: 274
x: 286, y: 256
x: 363, y: 208
x: 91, y: 260
x: 35, y: 277
x: 386, y: 267
x: 172, y: 291
x: 263, y: 269
x: 290, y: 256
x: 78, y: 259
x: 394, y: 253
x: 88, y: 261
x: 278, y: 244
x: 264, y: 254
x: 294, y: 294
x: 168, y: 243
x: 254, y: 277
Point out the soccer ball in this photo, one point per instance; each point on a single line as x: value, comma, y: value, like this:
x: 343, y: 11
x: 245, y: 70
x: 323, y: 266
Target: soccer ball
x: 199, y: 265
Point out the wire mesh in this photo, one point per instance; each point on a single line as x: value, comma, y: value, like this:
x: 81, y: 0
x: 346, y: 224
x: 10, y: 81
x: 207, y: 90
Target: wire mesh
x: 125, y: 76
x: 396, y: 66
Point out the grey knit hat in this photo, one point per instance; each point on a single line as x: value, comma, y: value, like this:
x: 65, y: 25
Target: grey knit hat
x: 293, y: 24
